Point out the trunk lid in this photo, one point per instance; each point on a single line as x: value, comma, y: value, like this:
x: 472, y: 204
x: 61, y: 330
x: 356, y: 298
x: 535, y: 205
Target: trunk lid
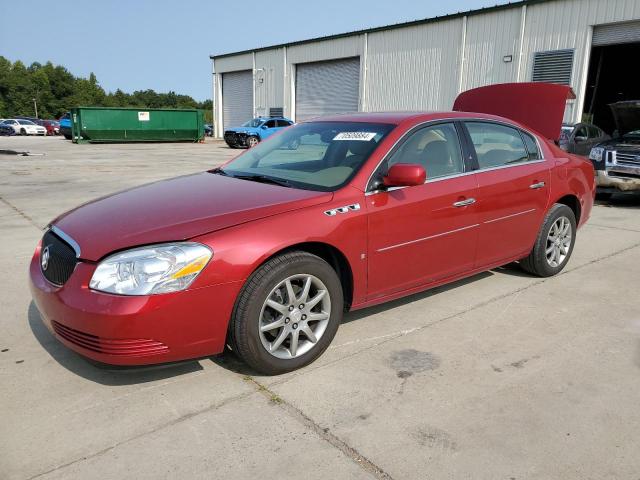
x: 539, y: 106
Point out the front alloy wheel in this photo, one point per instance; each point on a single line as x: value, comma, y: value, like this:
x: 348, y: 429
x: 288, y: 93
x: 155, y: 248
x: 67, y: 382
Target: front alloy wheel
x: 295, y: 316
x: 287, y: 313
x: 252, y: 141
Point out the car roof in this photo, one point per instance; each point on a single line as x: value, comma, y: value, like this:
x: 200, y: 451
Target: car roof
x: 396, y: 118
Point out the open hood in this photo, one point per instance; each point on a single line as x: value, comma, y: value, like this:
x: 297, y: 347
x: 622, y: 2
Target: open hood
x: 627, y: 116
x: 539, y: 106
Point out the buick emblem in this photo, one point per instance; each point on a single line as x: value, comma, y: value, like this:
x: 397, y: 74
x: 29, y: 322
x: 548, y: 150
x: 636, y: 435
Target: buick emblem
x: 44, y: 259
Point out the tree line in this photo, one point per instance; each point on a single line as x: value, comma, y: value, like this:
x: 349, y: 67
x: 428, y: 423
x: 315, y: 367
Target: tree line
x: 56, y: 90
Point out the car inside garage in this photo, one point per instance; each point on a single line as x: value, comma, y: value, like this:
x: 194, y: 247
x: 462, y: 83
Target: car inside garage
x: 614, y: 51
x: 237, y: 98
x: 325, y: 88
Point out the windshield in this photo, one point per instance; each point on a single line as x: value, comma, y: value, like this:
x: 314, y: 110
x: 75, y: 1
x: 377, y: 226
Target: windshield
x: 320, y: 156
x: 635, y: 133
x: 256, y: 122
x: 25, y: 122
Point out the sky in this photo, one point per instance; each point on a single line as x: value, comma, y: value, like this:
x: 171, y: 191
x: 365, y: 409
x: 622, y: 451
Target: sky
x: 165, y: 45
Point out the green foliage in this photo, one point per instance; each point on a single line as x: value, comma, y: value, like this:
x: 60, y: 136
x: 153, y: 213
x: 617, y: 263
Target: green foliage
x: 57, y: 90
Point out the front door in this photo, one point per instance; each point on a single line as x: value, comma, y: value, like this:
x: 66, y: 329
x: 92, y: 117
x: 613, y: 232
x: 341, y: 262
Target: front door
x: 423, y: 233
x: 513, y: 182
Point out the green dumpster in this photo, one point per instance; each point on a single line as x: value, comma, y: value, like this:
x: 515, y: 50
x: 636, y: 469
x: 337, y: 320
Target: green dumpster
x: 102, y: 125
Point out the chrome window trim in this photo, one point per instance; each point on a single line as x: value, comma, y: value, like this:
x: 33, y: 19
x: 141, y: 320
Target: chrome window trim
x: 67, y: 239
x: 446, y: 177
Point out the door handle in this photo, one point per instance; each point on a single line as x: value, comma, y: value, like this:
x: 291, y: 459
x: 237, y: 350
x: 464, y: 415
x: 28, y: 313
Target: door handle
x: 535, y: 186
x: 464, y: 203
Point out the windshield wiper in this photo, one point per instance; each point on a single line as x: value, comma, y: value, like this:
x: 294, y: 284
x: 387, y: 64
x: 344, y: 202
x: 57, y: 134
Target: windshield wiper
x: 264, y: 179
x: 219, y: 171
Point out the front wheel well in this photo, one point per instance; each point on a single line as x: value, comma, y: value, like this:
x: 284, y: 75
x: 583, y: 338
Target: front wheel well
x: 573, y: 203
x: 333, y: 257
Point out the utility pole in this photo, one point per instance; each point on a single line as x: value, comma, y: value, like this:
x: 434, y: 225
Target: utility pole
x: 35, y: 107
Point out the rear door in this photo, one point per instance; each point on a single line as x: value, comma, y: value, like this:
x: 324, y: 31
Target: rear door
x: 513, y: 190
x: 420, y: 234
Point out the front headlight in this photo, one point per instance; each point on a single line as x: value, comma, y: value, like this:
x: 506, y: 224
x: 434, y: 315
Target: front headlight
x: 596, y: 154
x: 164, y: 268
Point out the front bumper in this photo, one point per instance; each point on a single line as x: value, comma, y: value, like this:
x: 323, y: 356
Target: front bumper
x: 127, y: 330
x: 621, y: 179
x: 235, y: 139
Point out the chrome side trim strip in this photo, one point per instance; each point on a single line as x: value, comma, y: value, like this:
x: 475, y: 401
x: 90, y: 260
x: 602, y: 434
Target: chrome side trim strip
x: 67, y: 239
x: 427, y: 238
x: 510, y: 216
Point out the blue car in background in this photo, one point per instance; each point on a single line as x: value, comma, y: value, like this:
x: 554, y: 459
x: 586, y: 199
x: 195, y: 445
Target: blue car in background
x: 253, y: 131
x: 65, y: 125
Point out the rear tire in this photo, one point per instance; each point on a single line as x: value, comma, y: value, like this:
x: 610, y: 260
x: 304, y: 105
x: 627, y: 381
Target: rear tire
x: 23, y: 132
x: 299, y: 333
x: 554, y: 244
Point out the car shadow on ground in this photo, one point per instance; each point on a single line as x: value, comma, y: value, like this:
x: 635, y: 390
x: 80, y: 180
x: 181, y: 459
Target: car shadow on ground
x: 117, y: 376
x: 624, y: 200
x: 102, y: 374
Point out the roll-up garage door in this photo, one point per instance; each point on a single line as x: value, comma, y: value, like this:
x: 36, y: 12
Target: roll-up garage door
x: 237, y: 98
x: 628, y: 32
x: 324, y: 88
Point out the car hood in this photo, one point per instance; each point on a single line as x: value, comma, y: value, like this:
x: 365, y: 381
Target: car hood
x: 539, y: 106
x: 626, y: 115
x: 176, y: 209
x: 241, y: 130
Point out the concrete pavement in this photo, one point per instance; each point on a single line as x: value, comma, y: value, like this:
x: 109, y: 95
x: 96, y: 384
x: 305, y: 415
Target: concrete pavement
x: 498, y: 376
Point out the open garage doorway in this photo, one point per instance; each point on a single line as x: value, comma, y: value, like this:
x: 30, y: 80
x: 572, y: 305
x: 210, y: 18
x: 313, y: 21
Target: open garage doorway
x: 614, y: 54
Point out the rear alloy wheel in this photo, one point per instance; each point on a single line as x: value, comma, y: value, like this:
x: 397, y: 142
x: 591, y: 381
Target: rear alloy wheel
x: 252, y: 141
x: 554, y: 244
x: 287, y: 313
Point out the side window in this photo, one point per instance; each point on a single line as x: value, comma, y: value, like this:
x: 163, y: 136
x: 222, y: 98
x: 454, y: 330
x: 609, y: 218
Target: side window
x: 496, y: 145
x: 594, y: 132
x: 582, y: 132
x: 532, y: 146
x: 282, y: 123
x: 436, y: 148
x: 270, y: 124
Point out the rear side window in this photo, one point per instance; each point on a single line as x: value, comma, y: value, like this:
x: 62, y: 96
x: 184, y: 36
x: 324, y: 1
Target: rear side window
x: 496, y: 145
x: 532, y: 146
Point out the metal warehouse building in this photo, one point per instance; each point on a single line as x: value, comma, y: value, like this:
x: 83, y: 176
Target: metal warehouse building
x: 591, y: 45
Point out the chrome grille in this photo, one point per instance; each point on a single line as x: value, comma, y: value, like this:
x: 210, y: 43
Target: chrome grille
x: 628, y: 159
x: 57, y: 259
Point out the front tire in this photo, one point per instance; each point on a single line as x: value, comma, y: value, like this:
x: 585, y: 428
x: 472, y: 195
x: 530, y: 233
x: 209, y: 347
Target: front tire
x: 23, y: 132
x: 287, y: 313
x: 252, y: 141
x: 554, y: 244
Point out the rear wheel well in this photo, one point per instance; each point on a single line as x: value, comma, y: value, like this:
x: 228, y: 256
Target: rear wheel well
x: 333, y: 257
x: 573, y: 203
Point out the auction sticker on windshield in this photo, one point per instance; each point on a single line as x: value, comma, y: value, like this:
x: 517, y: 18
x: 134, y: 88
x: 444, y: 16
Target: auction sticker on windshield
x: 362, y: 136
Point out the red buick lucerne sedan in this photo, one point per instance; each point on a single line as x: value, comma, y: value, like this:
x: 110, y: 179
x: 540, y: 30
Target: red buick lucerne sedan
x: 266, y: 253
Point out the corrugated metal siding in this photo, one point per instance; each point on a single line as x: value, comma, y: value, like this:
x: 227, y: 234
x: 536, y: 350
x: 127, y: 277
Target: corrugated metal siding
x: 489, y: 38
x: 269, y: 91
x: 234, y: 64
x: 418, y: 67
x: 414, y: 68
x: 237, y: 98
x: 326, y: 50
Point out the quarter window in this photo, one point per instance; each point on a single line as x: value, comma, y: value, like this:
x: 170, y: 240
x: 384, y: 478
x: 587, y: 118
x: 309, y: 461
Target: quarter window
x: 436, y: 148
x: 532, y: 146
x: 496, y: 145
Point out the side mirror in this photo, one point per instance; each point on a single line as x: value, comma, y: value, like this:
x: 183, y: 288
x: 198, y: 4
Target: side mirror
x: 405, y: 175
x: 580, y: 139
x: 264, y: 127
